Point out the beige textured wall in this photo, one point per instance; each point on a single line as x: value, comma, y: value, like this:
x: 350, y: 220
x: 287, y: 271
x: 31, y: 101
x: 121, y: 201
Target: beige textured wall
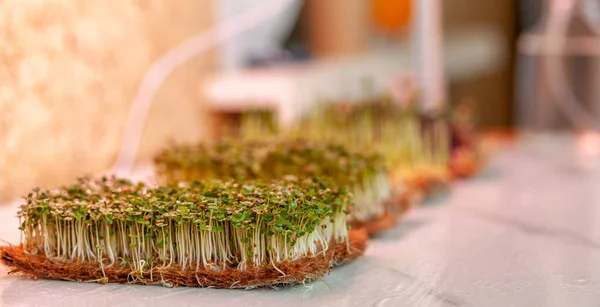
x: 68, y: 72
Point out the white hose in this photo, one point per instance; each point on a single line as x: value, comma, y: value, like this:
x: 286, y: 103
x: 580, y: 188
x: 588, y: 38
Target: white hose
x: 561, y: 14
x: 164, y: 66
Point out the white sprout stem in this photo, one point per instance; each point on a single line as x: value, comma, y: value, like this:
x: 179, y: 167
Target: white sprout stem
x: 369, y: 197
x: 184, y: 244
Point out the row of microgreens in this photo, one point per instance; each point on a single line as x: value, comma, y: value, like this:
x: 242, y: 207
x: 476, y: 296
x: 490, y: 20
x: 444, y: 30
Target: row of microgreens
x: 394, y: 131
x: 247, y: 159
x: 196, y: 225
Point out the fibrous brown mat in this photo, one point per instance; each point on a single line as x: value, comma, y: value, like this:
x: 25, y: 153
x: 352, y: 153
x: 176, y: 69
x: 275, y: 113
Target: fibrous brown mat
x: 287, y: 272
x: 422, y: 187
x: 464, y: 163
x: 378, y: 225
x: 468, y: 160
x: 417, y: 189
x: 357, y: 239
x: 395, y: 207
x: 426, y: 184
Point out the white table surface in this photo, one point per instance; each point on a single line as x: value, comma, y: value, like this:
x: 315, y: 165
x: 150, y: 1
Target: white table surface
x: 525, y: 233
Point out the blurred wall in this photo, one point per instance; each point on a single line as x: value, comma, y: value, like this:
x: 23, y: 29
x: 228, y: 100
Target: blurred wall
x: 492, y: 93
x: 340, y: 27
x: 68, y: 72
x: 336, y: 27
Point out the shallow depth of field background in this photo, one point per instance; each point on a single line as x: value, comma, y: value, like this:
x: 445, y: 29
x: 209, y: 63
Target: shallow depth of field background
x: 69, y: 70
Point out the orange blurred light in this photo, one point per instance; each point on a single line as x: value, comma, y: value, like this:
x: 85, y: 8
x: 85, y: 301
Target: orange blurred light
x: 589, y: 143
x: 391, y: 15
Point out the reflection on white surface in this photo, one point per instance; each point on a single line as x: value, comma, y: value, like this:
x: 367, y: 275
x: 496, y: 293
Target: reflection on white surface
x: 523, y: 234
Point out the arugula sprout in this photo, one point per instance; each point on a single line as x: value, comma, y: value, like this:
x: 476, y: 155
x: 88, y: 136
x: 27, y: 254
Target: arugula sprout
x: 192, y: 225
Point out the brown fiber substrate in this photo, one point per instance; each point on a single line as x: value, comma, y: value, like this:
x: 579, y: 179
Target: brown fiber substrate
x: 375, y: 226
x: 464, y: 163
x: 287, y: 272
x: 395, y: 208
x: 426, y: 184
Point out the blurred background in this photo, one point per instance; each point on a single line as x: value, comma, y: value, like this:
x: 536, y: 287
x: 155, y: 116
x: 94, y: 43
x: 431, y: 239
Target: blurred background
x: 70, y: 69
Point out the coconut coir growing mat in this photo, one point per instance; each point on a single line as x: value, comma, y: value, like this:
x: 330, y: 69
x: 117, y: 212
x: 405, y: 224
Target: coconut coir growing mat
x: 285, y: 273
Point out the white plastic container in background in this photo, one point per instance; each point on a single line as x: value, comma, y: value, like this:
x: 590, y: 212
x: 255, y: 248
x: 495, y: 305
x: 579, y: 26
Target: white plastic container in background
x: 264, y: 38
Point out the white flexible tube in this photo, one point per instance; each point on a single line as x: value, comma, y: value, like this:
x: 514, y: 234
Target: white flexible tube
x: 561, y: 13
x: 164, y: 66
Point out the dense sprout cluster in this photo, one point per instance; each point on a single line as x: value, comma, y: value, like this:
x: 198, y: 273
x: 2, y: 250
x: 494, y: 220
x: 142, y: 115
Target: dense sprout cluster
x: 196, y: 225
x: 266, y: 160
x: 363, y: 173
x: 397, y: 132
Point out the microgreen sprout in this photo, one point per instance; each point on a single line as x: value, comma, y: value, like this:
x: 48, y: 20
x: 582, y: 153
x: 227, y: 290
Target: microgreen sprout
x: 362, y: 172
x: 191, y: 226
x: 392, y: 130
